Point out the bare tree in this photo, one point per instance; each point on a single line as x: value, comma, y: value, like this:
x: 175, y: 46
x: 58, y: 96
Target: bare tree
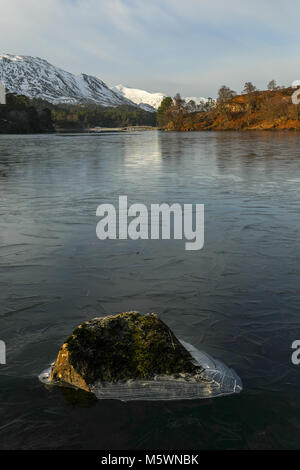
x: 225, y: 94
x: 178, y: 101
x: 272, y: 85
x: 249, y: 88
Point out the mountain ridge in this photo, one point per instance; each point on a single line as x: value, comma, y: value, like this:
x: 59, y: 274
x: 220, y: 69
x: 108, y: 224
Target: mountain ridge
x: 37, y: 78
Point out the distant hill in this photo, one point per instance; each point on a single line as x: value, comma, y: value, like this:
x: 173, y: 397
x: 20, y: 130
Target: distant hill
x: 150, y: 101
x: 146, y: 100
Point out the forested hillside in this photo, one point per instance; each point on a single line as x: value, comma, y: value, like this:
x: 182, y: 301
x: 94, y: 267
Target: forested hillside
x: 84, y: 117
x: 22, y: 115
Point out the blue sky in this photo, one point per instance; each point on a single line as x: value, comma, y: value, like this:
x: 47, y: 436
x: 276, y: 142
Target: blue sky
x: 190, y: 46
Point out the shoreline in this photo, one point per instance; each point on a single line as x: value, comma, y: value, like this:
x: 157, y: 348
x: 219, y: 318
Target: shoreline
x: 112, y: 130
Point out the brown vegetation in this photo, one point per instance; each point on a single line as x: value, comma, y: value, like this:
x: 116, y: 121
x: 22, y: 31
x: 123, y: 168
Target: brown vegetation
x: 252, y: 110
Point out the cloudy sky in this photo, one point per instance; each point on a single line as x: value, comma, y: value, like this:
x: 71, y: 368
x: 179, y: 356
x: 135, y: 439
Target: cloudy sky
x: 190, y: 46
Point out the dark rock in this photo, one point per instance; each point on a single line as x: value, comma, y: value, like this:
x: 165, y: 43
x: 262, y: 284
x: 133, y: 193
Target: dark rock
x: 120, y: 347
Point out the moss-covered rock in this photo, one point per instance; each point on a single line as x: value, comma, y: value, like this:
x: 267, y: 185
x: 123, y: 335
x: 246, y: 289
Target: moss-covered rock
x: 120, y: 347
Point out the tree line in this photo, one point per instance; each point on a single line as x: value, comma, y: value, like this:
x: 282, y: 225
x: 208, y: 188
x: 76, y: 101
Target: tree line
x: 251, y: 109
x: 24, y: 115
x: 86, y: 116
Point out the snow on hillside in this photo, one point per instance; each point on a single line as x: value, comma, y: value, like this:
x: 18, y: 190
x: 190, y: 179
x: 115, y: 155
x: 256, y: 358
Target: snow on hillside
x: 198, y: 100
x: 37, y: 78
x: 143, y: 98
x: 149, y: 101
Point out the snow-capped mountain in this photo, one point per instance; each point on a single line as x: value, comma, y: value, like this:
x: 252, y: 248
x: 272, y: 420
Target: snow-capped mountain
x: 146, y: 100
x: 197, y: 99
x: 37, y: 78
x: 150, y: 101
